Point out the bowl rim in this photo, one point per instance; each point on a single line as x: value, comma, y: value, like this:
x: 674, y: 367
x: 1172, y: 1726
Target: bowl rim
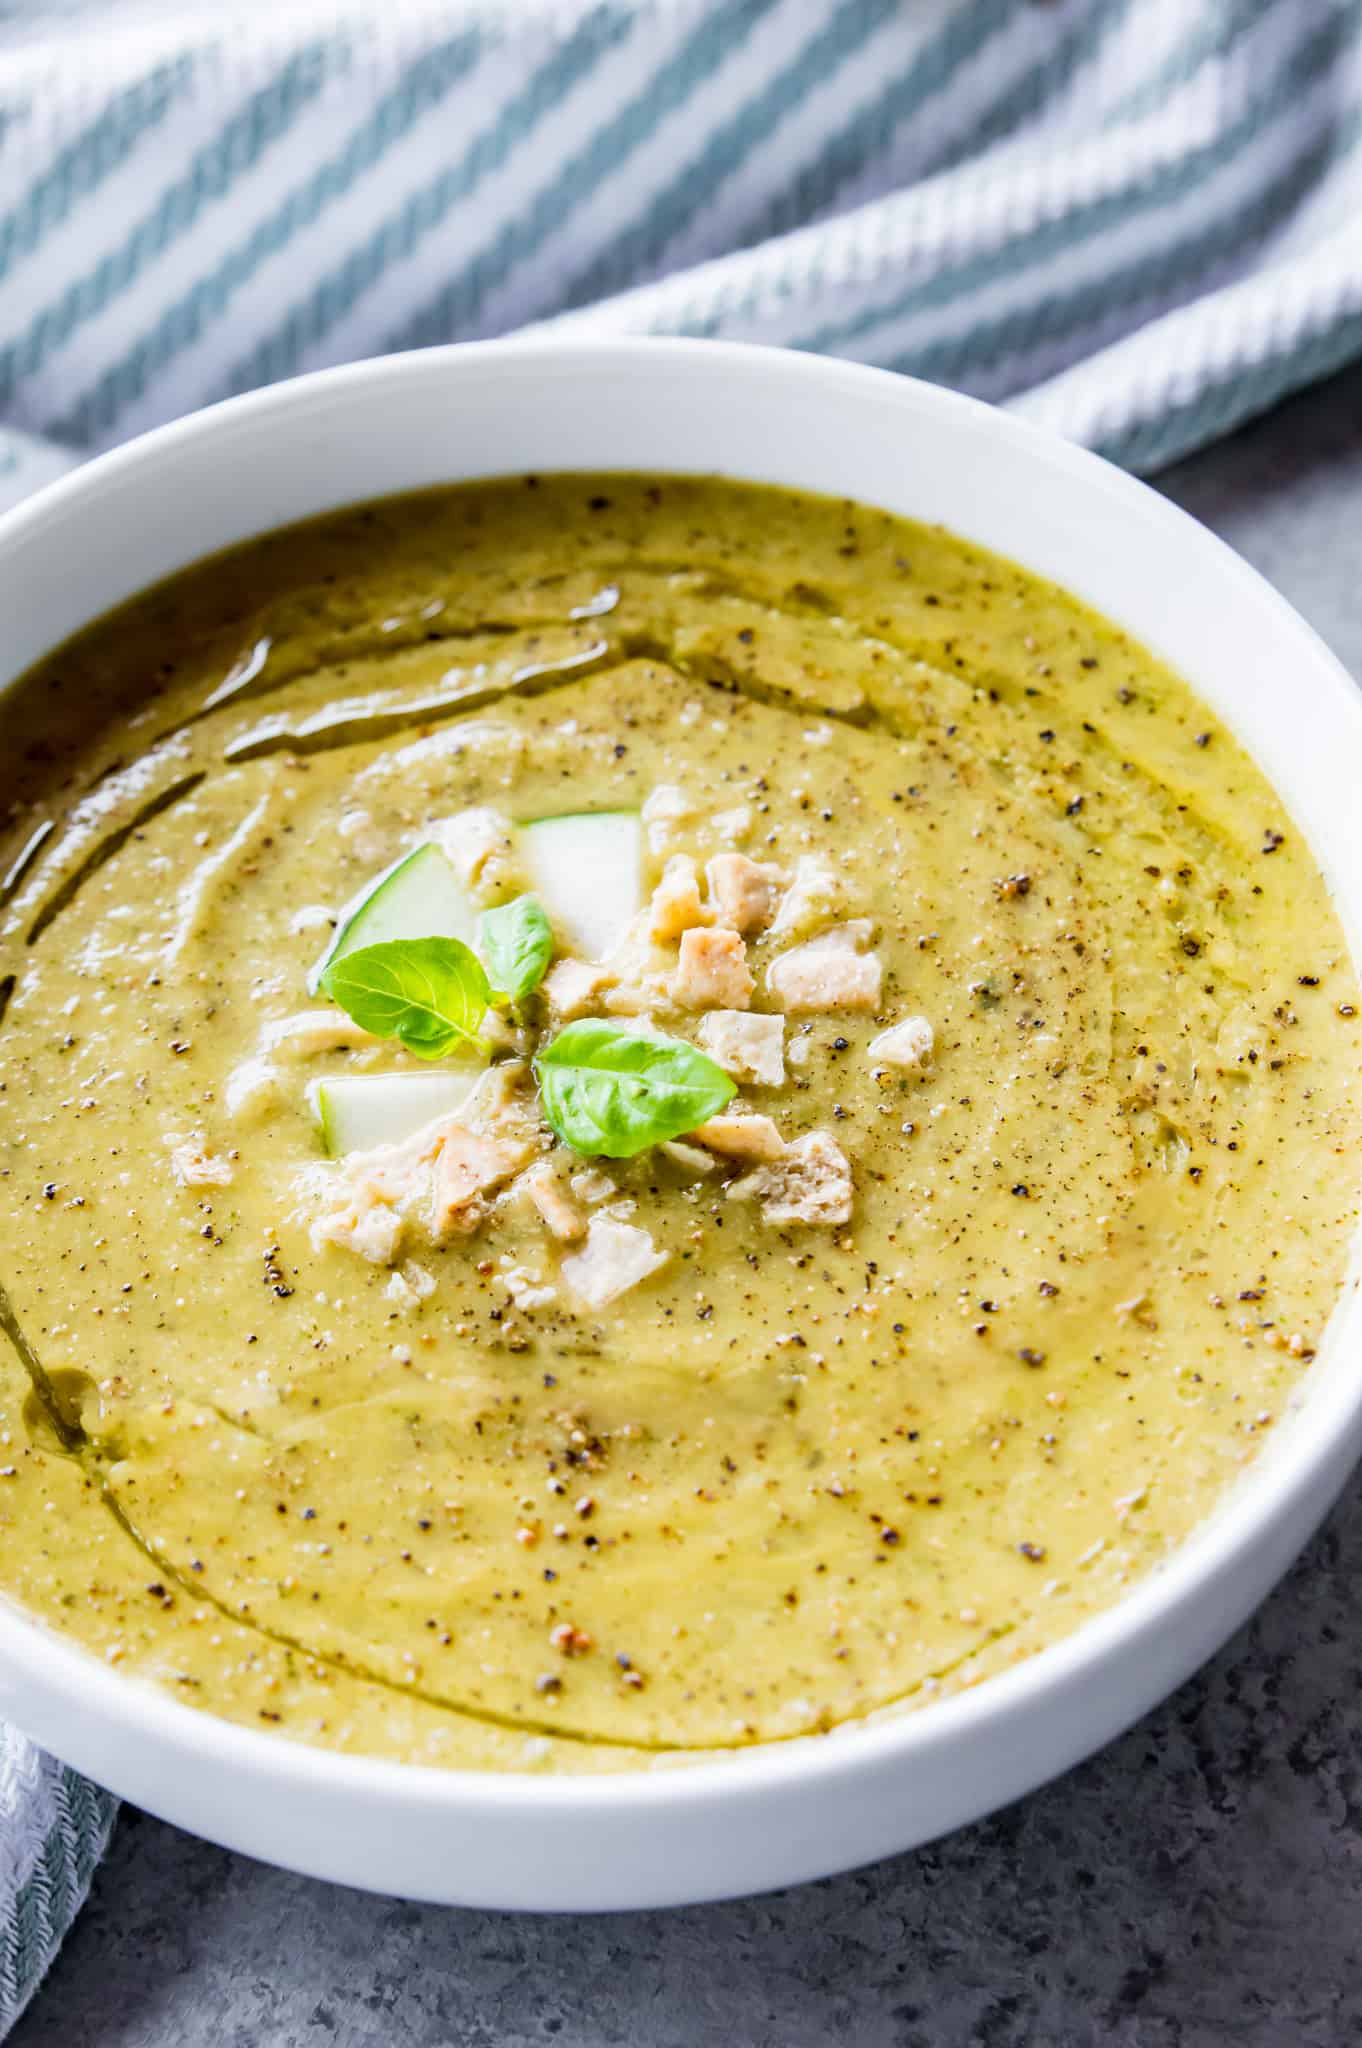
x: 1299, y: 1469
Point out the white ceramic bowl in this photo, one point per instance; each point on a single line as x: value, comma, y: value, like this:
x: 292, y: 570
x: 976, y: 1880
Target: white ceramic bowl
x: 786, y: 1812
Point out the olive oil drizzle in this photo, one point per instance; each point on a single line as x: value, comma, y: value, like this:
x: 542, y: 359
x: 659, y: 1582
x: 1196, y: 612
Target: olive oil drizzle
x: 105, y: 849
x: 77, y: 1444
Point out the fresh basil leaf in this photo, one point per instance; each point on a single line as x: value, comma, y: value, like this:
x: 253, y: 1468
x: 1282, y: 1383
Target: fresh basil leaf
x: 429, y: 994
x: 616, y: 1092
x: 516, y: 941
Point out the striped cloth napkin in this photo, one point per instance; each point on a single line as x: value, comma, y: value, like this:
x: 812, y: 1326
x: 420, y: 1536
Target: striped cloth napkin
x: 53, y: 1830
x: 1136, y: 221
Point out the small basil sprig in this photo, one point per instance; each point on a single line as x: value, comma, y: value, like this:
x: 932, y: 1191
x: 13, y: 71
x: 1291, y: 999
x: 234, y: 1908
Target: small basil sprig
x: 429, y: 994
x: 615, y: 1092
x: 516, y: 941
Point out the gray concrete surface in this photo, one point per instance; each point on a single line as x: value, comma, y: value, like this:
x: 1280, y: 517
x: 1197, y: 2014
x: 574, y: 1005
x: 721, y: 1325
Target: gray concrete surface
x: 1199, y: 1883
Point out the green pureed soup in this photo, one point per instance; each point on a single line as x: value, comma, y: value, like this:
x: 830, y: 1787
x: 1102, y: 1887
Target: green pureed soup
x: 638, y: 1117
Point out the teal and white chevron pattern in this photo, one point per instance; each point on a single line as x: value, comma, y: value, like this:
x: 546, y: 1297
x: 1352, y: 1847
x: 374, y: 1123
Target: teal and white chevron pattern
x: 53, y: 1830
x: 1138, y: 221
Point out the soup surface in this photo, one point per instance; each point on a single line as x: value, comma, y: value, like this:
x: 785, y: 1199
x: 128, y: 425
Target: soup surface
x: 898, y: 1163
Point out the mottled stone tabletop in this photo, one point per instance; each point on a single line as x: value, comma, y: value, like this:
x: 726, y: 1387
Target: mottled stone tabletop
x: 1198, y: 1883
